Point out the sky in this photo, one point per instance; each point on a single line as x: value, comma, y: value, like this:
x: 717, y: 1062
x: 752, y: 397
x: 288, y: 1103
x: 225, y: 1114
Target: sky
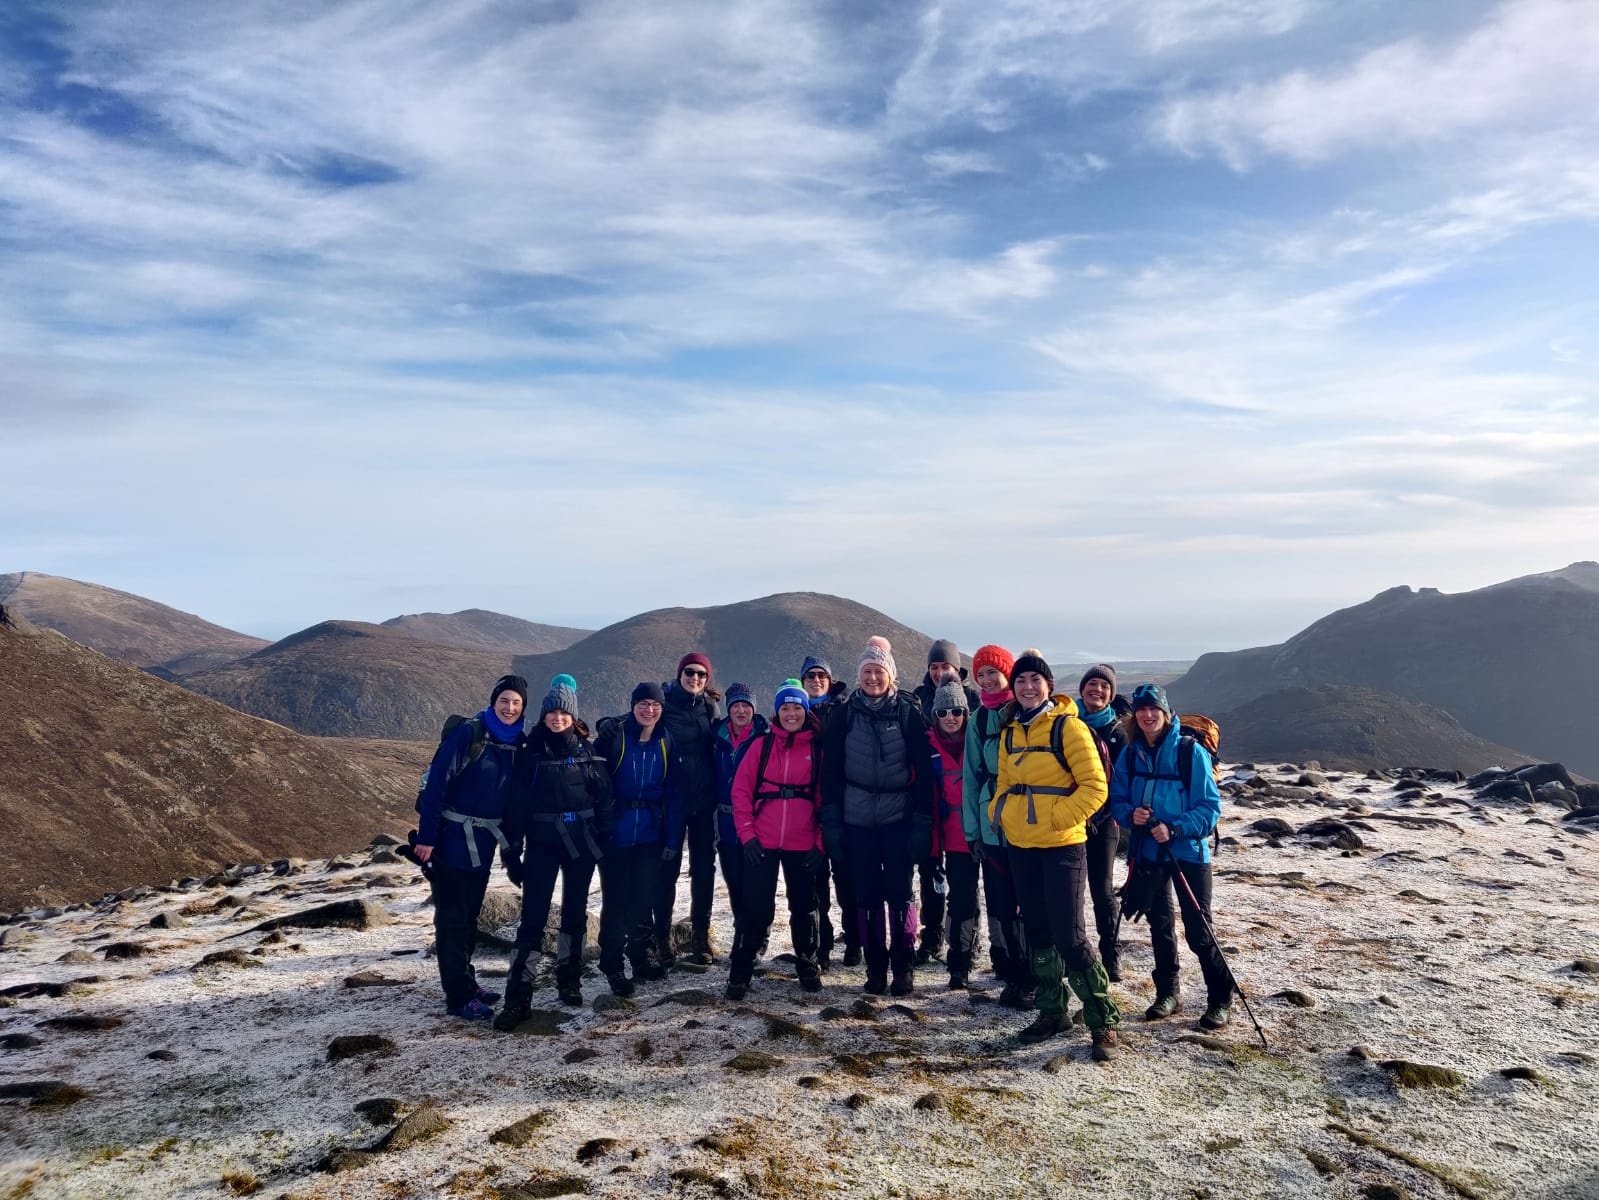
x: 1123, y: 329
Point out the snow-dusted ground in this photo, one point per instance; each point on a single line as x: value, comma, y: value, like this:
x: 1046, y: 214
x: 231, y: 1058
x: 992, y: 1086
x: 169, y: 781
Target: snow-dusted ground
x: 1450, y: 945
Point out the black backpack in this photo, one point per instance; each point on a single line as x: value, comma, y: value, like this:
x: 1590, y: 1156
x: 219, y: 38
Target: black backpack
x: 475, y: 751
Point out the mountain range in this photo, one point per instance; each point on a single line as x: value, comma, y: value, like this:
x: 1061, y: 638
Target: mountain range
x: 1516, y: 663
x: 109, y: 774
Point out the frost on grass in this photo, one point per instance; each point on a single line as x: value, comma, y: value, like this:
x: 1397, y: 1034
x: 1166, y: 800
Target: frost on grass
x: 1427, y: 987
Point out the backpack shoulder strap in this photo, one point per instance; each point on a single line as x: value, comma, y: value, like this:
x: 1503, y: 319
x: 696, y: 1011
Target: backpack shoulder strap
x: 479, y: 735
x: 1185, y: 758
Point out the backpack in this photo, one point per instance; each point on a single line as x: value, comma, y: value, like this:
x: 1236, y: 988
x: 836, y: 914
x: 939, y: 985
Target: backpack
x: 1197, y: 727
x: 765, y: 756
x: 475, y: 751
x: 1057, y: 744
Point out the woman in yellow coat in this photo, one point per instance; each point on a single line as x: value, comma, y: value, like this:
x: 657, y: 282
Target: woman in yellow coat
x: 1051, y: 780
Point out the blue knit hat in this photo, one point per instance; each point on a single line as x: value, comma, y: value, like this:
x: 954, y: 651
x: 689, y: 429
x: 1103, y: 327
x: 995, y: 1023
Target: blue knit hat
x: 739, y: 693
x: 1150, y: 695
x: 790, y: 693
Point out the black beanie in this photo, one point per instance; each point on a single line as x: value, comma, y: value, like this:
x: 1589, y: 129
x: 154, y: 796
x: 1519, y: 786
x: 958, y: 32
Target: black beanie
x: 648, y: 691
x: 944, y: 651
x: 509, y: 683
x: 1031, y: 661
x: 1099, y: 671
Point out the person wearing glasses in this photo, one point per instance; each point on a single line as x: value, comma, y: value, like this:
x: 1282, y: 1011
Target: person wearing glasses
x: 1051, y: 781
x: 948, y: 740
x: 877, y: 812
x: 824, y: 693
x: 733, y: 733
x: 690, y: 717
x: 637, y: 750
x: 943, y: 666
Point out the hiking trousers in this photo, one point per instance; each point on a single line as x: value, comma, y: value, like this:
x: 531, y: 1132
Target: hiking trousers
x: 931, y: 936
x: 627, y: 890
x: 831, y: 878
x: 1103, y: 843
x: 961, y: 872
x: 1052, y: 884
x: 880, y: 870
x: 1007, y: 942
x: 730, y: 856
x: 760, y: 906
x: 1163, y: 934
x: 541, y: 863
x: 700, y: 834
x: 457, y: 900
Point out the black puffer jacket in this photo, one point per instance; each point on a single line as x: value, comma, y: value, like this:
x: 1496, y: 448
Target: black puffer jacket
x: 559, y: 778
x: 690, y: 721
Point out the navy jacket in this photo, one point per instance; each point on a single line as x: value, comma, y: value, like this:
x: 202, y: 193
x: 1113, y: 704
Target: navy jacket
x: 644, y: 797
x: 726, y: 763
x: 482, y: 789
x: 689, y: 719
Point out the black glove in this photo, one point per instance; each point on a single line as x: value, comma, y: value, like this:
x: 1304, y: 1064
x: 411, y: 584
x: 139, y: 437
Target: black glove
x: 833, y: 843
x: 753, y: 852
x: 1141, y: 890
x: 921, y: 840
x: 514, y: 870
x: 815, y: 861
x: 671, y: 854
x: 978, y: 850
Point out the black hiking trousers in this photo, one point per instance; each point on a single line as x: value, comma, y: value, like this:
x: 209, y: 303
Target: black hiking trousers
x: 1103, y: 843
x: 1051, y: 884
x: 1163, y: 934
x: 627, y: 890
x: 931, y: 936
x: 760, y: 906
x: 1007, y: 941
x: 457, y: 900
x: 829, y: 880
x: 730, y: 855
x: 700, y: 831
x: 541, y: 863
x: 961, y: 871
x: 885, y: 917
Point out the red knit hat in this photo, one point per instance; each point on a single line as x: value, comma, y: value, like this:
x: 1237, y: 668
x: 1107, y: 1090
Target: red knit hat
x: 694, y: 659
x: 997, y: 657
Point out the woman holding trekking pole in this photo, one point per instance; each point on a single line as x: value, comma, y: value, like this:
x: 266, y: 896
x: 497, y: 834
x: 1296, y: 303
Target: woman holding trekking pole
x: 1163, y: 791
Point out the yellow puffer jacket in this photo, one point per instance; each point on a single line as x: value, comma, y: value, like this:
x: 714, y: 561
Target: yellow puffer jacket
x: 1037, y: 801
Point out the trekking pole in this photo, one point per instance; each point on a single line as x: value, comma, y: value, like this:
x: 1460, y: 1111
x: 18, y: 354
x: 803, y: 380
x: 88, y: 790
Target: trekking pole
x: 1210, y: 932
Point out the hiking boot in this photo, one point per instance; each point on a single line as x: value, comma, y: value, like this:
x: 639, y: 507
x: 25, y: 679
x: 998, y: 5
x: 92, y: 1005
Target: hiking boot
x: 702, y: 954
x: 1163, y: 1007
x: 473, y: 1010
x: 1105, y: 1044
x: 904, y: 983
x: 487, y: 997
x: 877, y: 982
x: 923, y: 954
x: 959, y: 981
x: 736, y: 991
x: 810, y: 983
x: 1045, y: 1025
x: 512, y: 1015
x: 824, y: 961
x: 1113, y: 970
x: 570, y: 994
x: 1216, y: 1016
x: 621, y: 985
x: 852, y: 956
x: 1013, y: 995
x: 648, y: 971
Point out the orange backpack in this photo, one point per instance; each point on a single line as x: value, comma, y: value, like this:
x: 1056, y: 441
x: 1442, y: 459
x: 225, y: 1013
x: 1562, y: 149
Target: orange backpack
x: 1197, y: 727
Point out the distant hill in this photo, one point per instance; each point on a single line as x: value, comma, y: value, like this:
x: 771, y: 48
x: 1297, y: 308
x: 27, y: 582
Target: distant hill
x: 351, y: 679
x: 1516, y: 663
x: 479, y: 629
x: 109, y: 776
x: 1354, y: 729
x: 122, y: 625
x: 760, y: 642
x: 1129, y: 672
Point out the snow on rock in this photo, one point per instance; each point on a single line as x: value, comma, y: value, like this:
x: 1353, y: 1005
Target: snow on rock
x: 1420, y: 960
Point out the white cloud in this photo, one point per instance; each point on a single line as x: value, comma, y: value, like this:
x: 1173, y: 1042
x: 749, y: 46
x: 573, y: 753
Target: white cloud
x: 1531, y: 63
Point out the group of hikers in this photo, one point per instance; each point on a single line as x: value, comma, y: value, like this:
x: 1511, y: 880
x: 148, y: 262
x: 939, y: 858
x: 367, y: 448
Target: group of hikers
x: 854, y: 790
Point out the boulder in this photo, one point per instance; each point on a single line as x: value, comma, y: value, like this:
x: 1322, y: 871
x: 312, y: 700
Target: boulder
x: 339, y: 914
x: 1272, y: 827
x: 1534, y: 774
x: 1514, y: 790
x: 1334, y: 831
x: 1558, y: 794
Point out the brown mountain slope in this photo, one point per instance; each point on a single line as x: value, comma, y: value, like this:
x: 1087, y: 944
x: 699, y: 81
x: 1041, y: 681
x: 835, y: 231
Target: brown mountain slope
x: 1493, y: 659
x: 110, y: 776
x: 122, y: 625
x: 479, y: 629
x: 761, y: 642
x: 1351, y: 728
x: 349, y: 679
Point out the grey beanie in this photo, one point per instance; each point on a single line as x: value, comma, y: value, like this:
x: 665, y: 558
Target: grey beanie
x: 884, y: 659
x: 559, y: 698
x: 944, y: 651
x: 1099, y: 671
x: 950, y: 695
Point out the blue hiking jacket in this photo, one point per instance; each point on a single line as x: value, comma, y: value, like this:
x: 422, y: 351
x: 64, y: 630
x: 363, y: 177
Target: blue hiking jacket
x: 727, y: 759
x: 482, y: 789
x: 645, y: 802
x: 1190, y: 808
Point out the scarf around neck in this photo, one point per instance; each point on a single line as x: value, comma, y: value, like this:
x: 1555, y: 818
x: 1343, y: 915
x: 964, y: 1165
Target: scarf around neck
x: 498, y: 729
x: 1099, y: 721
x: 996, y: 699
